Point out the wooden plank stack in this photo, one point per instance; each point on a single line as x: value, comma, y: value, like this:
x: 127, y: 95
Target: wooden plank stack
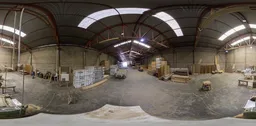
x: 207, y: 69
x: 180, y: 79
x: 105, y: 64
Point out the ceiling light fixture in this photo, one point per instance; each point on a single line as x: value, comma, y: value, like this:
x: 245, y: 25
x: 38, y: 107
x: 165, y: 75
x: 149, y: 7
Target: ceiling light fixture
x: 142, y: 44
x: 122, y: 43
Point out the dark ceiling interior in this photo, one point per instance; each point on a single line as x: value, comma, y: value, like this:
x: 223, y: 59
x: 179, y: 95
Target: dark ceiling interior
x: 55, y: 22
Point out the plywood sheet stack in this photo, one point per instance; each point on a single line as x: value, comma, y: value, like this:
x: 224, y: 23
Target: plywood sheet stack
x: 180, y: 79
x: 196, y: 69
x: 28, y: 69
x: 153, y: 65
x: 149, y: 67
x: 207, y: 69
x: 105, y: 64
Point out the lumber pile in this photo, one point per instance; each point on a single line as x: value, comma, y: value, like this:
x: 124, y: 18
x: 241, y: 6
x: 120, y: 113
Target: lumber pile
x: 204, y: 69
x: 28, y: 69
x: 159, y: 67
x: 105, y: 64
x: 164, y: 69
x: 180, y: 79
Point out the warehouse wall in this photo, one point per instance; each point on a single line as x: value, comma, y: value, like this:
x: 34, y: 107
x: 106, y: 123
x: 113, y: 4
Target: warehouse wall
x: 241, y: 57
x: 44, y: 59
x: 183, y: 57
x: 6, y: 57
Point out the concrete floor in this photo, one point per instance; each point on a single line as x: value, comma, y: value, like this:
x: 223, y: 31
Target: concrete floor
x: 167, y: 100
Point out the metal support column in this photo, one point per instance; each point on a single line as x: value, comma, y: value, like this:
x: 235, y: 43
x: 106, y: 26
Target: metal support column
x: 193, y: 56
x: 13, y: 39
x: 31, y: 58
x: 57, y: 59
x: 245, y: 58
x: 21, y: 16
x: 84, y: 59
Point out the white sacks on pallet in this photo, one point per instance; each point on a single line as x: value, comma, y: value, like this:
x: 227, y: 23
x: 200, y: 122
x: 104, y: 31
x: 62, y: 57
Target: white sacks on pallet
x: 87, y: 76
x: 113, y: 69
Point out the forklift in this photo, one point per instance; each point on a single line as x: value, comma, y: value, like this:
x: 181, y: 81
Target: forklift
x: 206, y: 86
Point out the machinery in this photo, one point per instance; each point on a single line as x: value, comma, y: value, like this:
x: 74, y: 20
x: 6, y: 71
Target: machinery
x: 250, y: 108
x: 121, y: 73
x: 206, y: 86
x: 140, y: 69
x: 10, y: 108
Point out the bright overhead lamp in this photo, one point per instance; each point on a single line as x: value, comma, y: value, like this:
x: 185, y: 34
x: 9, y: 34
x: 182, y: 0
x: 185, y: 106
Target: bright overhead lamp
x: 135, y: 52
x: 241, y: 40
x: 6, y: 40
x: 231, y: 31
x: 142, y: 44
x: 142, y: 39
x: 11, y: 29
x: 254, y: 37
x: 123, y: 43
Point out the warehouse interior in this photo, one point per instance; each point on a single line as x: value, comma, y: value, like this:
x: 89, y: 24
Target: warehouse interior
x: 174, y: 60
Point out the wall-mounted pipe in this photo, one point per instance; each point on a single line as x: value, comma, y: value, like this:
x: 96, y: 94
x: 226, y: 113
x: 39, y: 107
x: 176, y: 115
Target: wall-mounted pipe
x: 21, y: 16
x: 13, y: 38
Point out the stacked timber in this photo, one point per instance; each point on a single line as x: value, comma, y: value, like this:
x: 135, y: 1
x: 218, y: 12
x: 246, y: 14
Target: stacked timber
x: 204, y: 69
x: 105, y: 64
x: 180, y: 79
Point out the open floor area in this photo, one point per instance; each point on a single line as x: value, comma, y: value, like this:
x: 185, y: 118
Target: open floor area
x: 168, y: 100
x: 150, y: 62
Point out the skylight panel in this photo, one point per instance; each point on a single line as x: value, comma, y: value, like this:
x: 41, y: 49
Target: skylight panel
x: 132, y: 10
x: 170, y: 21
x: 231, y: 31
x: 92, y: 18
x: 178, y: 32
x: 11, y: 29
x: 6, y: 40
x: 252, y: 25
x: 240, y: 40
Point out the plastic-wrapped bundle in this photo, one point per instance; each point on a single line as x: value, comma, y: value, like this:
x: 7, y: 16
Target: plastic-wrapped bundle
x: 98, y: 74
x: 113, y: 69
